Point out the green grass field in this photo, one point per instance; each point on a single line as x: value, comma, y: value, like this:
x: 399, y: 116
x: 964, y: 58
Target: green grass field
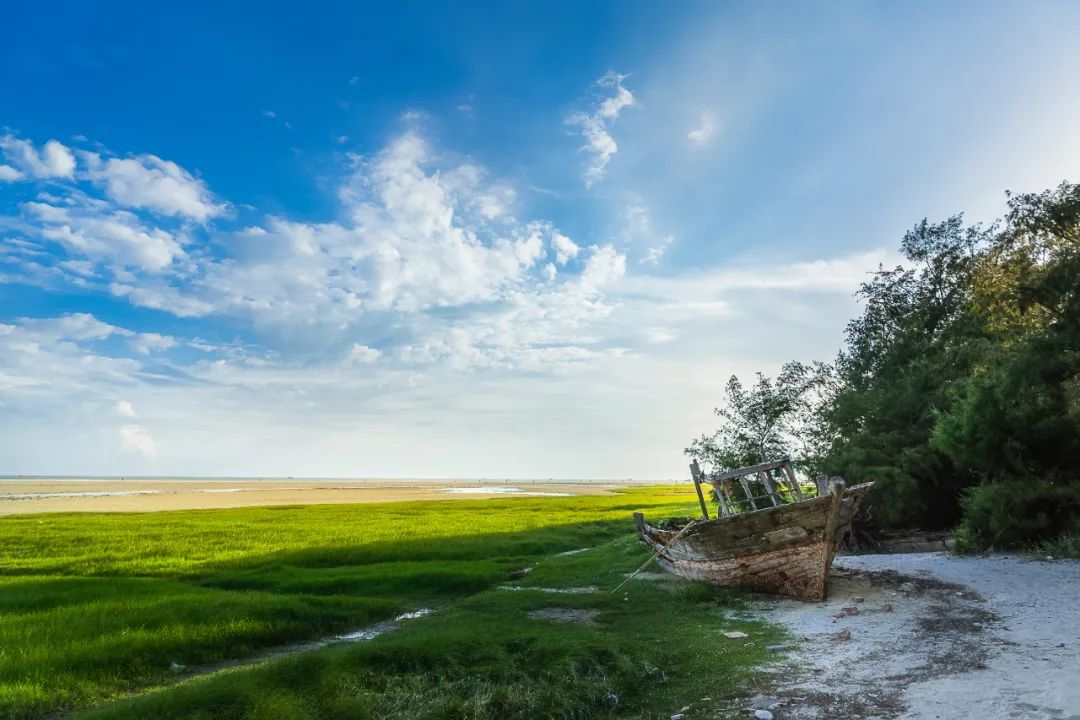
x: 95, y: 610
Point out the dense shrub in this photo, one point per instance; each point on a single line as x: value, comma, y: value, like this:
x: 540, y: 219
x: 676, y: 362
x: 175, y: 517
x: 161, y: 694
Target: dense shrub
x: 1012, y: 514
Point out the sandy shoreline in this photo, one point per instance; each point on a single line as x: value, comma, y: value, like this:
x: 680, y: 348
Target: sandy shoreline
x: 34, y: 495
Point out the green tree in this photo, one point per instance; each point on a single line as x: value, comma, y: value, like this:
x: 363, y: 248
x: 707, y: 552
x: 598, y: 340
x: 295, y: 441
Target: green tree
x: 914, y: 340
x: 760, y: 423
x: 1016, y: 415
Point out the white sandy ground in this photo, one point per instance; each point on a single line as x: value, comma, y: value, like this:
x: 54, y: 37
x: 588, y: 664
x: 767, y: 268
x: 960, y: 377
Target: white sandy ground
x: 966, y: 637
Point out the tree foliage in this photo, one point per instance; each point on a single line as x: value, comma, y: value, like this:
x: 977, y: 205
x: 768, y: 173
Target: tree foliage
x: 963, y: 368
x: 759, y: 423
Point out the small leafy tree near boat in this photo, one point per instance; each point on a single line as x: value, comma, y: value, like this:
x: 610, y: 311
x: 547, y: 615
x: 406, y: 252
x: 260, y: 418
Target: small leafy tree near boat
x: 764, y: 422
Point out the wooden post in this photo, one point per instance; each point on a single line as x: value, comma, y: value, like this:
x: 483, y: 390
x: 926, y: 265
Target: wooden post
x: 792, y: 479
x: 766, y: 479
x: 719, y: 490
x: 695, y: 472
x: 822, y: 485
x: 836, y: 501
x: 724, y: 493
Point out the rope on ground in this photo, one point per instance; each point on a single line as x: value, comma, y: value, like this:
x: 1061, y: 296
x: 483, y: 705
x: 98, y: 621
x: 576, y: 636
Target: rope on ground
x: 655, y: 555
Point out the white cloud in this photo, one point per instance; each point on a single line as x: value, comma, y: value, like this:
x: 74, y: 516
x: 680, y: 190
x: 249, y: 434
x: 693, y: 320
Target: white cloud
x: 363, y: 355
x: 654, y: 254
x: 604, y: 267
x: 9, y: 174
x: 705, y: 130
x: 54, y: 160
x: 147, y: 343
x: 595, y: 126
x: 564, y: 247
x: 269, y: 113
x: 147, y: 181
x: 660, y: 335
x: 137, y: 440
x: 91, y: 229
x: 428, y: 261
x: 638, y: 234
x: 73, y: 326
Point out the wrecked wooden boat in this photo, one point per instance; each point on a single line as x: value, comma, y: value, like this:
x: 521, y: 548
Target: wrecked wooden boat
x: 776, y: 541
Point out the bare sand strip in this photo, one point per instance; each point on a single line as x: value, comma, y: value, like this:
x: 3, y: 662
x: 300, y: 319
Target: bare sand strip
x: 19, y: 496
x: 925, y: 636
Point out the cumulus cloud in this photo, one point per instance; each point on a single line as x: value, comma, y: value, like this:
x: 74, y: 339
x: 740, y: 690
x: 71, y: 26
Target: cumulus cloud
x: 565, y: 248
x: 136, y: 439
x: 9, y: 174
x: 161, y: 186
x: 94, y: 230
x: 70, y: 327
x: 147, y: 343
x: 430, y: 277
x: 54, y: 160
x: 416, y: 238
x: 705, y: 130
x: 595, y: 125
x: 363, y: 355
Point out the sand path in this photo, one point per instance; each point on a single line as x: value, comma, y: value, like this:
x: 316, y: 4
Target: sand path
x: 925, y: 636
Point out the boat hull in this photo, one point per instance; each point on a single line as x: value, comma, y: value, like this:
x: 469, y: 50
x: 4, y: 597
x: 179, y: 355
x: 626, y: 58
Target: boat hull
x: 786, y: 550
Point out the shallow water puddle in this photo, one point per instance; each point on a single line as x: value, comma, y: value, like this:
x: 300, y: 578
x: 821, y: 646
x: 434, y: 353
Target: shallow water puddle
x: 581, y: 616
x: 561, y: 591
x: 364, y: 634
x: 375, y: 631
x: 567, y: 553
x: 501, y: 490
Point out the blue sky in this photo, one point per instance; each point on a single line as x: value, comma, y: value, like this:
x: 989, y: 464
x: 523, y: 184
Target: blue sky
x: 502, y: 240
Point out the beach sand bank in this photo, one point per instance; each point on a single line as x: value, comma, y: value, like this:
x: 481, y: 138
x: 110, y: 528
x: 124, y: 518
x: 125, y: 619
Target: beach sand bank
x: 36, y: 495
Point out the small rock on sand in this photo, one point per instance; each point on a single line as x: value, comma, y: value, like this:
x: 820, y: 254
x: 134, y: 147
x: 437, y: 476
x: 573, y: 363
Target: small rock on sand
x: 763, y: 715
x: 765, y: 702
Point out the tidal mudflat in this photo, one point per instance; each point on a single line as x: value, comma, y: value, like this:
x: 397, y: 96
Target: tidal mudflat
x: 34, y: 495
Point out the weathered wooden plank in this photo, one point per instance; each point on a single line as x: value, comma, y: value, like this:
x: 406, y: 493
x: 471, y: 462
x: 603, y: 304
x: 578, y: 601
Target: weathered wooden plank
x: 766, y: 480
x: 722, y: 502
x: 746, y: 489
x: 822, y: 483
x: 740, y: 472
x: 836, y: 502
x: 725, y: 492
x: 695, y: 473
x: 794, y: 482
